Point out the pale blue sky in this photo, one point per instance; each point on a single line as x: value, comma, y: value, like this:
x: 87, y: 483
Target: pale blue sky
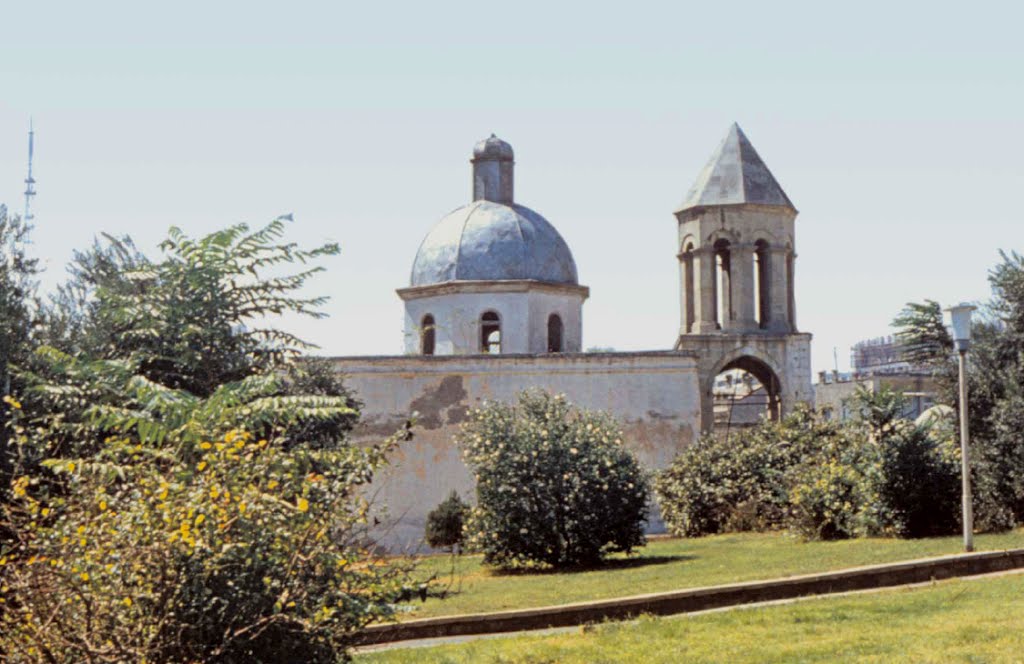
x: 896, y: 128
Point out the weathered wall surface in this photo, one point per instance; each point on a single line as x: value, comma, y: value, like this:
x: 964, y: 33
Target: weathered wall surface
x: 655, y: 396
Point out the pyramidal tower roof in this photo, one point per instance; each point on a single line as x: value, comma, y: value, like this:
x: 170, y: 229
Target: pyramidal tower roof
x: 735, y: 175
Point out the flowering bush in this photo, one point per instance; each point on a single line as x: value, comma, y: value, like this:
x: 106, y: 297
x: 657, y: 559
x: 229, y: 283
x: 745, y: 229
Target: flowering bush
x: 829, y: 501
x: 738, y: 483
x: 555, y: 485
x: 236, y: 551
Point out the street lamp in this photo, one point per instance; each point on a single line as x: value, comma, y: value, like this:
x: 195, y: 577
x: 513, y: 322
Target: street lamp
x: 960, y: 318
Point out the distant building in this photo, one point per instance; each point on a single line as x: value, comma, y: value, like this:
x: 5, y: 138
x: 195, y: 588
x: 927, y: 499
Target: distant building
x: 878, y: 355
x: 876, y: 364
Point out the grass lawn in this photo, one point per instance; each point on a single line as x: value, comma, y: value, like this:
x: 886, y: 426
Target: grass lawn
x: 952, y: 621
x: 669, y: 564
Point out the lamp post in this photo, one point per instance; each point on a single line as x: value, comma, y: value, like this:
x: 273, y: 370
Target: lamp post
x: 960, y: 318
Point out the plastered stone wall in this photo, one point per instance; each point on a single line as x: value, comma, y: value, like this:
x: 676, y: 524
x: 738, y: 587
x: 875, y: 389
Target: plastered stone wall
x: 655, y: 396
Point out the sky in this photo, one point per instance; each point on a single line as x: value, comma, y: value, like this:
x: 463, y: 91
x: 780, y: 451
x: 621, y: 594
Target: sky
x: 896, y: 129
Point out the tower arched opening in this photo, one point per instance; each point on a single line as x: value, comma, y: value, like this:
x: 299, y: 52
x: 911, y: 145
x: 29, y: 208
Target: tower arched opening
x: 762, y: 284
x: 744, y: 392
x: 723, y: 283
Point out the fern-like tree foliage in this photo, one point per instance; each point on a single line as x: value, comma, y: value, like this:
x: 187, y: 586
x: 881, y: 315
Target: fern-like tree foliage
x: 134, y: 341
x: 200, y: 316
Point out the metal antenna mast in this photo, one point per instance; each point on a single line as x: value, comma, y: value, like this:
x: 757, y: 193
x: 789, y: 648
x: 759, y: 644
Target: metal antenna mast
x: 30, y: 183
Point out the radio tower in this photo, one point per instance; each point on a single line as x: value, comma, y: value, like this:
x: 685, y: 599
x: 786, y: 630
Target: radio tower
x: 30, y: 183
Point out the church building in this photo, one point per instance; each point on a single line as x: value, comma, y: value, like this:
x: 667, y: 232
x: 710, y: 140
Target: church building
x: 494, y: 306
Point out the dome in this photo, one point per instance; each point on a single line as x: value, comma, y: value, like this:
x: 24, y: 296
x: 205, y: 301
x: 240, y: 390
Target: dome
x: 492, y: 147
x: 490, y: 241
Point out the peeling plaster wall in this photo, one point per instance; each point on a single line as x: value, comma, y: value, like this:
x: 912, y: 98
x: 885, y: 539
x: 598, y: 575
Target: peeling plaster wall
x: 655, y: 396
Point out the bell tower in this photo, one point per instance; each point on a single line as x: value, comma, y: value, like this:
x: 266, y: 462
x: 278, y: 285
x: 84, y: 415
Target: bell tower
x: 737, y: 257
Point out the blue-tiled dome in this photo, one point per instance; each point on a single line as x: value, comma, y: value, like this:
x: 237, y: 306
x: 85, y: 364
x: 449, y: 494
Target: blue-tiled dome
x: 491, y: 241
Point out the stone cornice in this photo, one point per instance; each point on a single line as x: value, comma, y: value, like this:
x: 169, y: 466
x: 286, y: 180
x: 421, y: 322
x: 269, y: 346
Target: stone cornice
x: 502, y: 286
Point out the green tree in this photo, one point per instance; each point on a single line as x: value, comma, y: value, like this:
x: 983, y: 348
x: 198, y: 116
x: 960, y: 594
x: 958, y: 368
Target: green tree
x: 995, y: 384
x: 184, y: 473
x: 199, y: 318
x: 18, y: 272
x: 445, y: 523
x: 917, y: 483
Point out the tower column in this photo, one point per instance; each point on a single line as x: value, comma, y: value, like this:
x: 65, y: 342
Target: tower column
x: 705, y: 289
x: 743, y: 287
x: 778, y: 291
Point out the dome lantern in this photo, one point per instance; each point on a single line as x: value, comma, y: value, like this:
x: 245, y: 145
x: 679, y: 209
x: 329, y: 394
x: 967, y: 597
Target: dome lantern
x: 493, y: 165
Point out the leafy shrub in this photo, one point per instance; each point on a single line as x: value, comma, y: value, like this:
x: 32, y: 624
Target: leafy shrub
x: 917, y: 483
x: 233, y: 551
x: 738, y: 483
x: 555, y: 485
x: 445, y: 522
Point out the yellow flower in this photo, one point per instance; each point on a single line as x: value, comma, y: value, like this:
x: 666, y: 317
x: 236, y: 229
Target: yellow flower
x: 200, y: 519
x: 303, y: 505
x: 202, y: 465
x: 230, y: 437
x: 272, y: 484
x: 205, y: 445
x: 103, y: 505
x: 12, y: 402
x: 127, y: 601
x: 214, y: 491
x: 85, y: 576
x: 71, y: 466
x: 241, y: 507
